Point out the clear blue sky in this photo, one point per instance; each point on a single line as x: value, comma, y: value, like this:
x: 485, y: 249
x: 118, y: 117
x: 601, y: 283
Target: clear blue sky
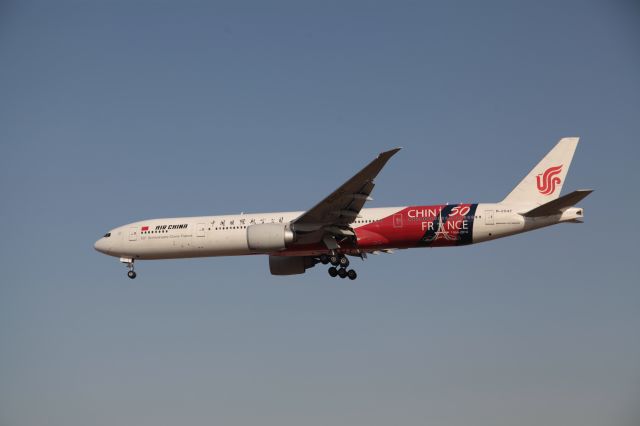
x: 116, y: 111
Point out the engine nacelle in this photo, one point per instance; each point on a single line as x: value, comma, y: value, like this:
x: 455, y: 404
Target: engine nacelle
x: 268, y: 237
x: 286, y: 265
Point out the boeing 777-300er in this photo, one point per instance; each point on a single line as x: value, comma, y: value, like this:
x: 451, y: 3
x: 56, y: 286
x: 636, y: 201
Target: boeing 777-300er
x: 339, y: 226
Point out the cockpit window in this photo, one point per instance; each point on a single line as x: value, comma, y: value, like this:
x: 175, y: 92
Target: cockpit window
x: 107, y: 235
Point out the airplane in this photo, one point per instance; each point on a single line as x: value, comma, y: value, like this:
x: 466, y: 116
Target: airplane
x: 340, y: 226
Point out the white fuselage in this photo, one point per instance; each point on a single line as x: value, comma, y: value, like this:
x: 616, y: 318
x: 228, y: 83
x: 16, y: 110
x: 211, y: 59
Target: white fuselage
x: 226, y: 235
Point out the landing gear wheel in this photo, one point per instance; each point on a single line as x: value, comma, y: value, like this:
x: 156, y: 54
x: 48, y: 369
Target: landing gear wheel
x: 333, y: 271
x: 334, y: 259
x: 128, y: 261
x: 352, y: 274
x: 324, y: 259
x: 342, y: 273
x: 344, y: 262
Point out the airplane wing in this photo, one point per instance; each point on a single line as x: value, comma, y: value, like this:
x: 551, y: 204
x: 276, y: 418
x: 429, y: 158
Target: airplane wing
x: 332, y: 216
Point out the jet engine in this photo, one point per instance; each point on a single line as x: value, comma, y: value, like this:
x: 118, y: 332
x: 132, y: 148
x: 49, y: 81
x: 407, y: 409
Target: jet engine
x: 269, y: 237
x: 285, y: 265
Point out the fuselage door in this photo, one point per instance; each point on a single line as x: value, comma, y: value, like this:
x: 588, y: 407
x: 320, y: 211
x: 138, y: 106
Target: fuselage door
x: 488, y: 217
x: 200, y: 230
x: 397, y: 220
x: 133, y: 234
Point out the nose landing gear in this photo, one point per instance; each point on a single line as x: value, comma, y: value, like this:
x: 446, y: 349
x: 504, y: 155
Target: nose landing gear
x: 129, y: 262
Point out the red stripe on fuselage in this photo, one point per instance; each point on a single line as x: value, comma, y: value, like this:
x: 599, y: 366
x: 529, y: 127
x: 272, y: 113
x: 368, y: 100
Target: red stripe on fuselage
x: 416, y: 226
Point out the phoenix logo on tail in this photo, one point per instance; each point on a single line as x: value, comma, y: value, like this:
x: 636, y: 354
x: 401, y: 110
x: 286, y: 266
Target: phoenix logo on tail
x: 548, y: 180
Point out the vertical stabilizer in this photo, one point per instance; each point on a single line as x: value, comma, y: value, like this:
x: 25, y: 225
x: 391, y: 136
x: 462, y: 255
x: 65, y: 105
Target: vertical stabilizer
x: 544, y: 182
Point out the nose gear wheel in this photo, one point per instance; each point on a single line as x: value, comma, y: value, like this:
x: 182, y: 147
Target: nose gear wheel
x: 129, y: 263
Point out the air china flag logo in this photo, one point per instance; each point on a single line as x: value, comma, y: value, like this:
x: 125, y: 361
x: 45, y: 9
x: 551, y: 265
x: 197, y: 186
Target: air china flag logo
x: 145, y: 228
x: 548, y: 180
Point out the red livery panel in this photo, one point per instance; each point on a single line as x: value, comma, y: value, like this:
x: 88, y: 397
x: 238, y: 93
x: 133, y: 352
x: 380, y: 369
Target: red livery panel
x: 416, y: 226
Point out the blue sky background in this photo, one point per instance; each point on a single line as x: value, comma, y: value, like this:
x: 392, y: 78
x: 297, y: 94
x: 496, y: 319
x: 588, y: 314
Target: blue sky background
x: 116, y: 111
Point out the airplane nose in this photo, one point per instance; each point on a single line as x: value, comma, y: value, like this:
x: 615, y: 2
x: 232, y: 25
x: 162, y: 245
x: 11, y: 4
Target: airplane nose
x: 99, y: 245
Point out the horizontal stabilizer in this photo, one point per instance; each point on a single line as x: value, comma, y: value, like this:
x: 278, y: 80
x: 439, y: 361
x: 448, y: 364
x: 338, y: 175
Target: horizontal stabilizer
x: 556, y: 206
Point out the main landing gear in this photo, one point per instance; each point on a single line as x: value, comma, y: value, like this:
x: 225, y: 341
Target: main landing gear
x: 129, y: 262
x: 339, y: 268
